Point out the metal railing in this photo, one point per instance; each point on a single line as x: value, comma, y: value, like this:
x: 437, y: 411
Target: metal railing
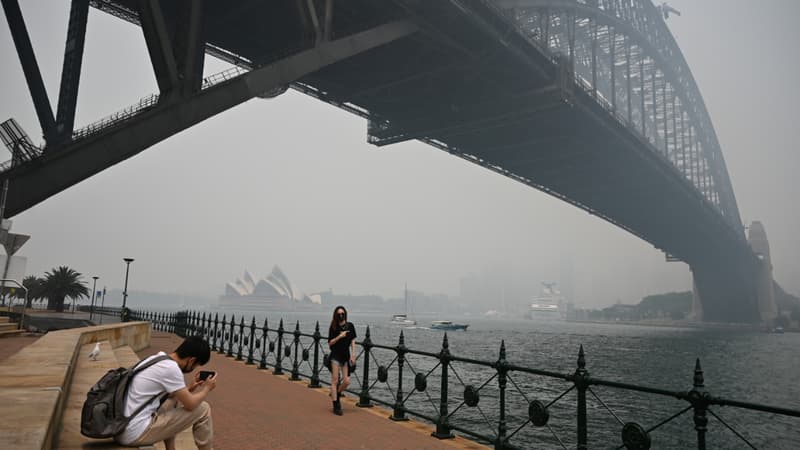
x: 420, y: 383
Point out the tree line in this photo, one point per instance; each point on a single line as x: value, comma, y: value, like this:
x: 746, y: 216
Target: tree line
x: 56, y: 286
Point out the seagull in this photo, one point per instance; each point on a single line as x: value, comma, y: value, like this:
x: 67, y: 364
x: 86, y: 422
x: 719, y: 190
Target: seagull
x: 95, y: 352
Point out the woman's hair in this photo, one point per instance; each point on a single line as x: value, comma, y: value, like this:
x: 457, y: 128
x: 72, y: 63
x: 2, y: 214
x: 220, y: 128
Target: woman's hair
x: 335, y: 320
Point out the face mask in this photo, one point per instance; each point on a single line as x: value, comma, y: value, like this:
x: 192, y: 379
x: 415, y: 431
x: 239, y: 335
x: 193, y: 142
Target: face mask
x: 341, y: 316
x: 187, y: 368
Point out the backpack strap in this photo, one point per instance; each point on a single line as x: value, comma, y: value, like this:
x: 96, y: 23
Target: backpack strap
x: 136, y: 369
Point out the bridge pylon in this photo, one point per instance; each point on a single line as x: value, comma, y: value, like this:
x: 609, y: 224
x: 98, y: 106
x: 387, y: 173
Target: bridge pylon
x: 765, y: 287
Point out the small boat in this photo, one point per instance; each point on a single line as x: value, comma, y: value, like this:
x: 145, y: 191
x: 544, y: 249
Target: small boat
x: 402, y: 319
x: 448, y: 325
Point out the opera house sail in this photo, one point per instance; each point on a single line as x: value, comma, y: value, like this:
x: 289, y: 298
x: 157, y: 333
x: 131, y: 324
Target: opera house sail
x: 274, y: 291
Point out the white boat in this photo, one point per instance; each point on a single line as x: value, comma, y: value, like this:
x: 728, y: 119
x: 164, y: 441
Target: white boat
x: 547, y: 305
x: 402, y: 319
x: 448, y: 325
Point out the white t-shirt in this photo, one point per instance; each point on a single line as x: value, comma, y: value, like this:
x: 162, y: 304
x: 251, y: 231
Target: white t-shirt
x: 162, y: 377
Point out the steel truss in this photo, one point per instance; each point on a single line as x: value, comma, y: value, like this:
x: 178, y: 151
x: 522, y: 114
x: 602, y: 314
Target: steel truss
x: 624, y: 52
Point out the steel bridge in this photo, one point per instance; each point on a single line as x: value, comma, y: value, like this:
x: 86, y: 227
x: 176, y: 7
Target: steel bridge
x: 590, y: 101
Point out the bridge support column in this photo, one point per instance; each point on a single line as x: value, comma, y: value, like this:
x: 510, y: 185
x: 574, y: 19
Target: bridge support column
x: 725, y: 292
x: 765, y: 287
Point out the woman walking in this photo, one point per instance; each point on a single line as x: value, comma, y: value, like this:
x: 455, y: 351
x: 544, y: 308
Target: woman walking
x: 342, y: 341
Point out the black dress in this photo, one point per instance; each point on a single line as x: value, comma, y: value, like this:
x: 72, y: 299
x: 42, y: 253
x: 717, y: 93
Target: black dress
x: 340, y: 350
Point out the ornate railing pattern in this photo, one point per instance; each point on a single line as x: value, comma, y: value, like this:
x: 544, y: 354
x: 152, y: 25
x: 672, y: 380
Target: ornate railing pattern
x: 495, y: 406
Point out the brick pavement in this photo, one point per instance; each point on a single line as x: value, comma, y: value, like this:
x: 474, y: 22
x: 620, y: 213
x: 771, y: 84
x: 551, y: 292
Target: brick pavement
x: 253, y: 409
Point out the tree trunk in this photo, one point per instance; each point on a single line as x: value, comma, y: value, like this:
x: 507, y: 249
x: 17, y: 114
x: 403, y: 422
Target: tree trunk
x: 58, y: 304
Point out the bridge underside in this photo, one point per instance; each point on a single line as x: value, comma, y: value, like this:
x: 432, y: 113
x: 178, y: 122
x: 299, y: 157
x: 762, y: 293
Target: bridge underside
x: 469, y: 84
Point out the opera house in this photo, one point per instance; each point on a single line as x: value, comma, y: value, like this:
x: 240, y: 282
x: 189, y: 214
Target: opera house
x: 274, y: 291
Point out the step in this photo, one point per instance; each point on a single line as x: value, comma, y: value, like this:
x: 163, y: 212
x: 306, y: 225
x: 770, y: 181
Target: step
x: 5, y: 319
x: 10, y: 333
x: 7, y: 326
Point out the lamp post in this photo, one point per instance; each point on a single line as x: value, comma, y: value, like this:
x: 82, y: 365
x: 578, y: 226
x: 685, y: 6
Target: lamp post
x: 94, y: 295
x: 128, y: 262
x: 102, y: 305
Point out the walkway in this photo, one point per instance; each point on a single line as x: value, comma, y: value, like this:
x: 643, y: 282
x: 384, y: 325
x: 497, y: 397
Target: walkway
x: 254, y: 409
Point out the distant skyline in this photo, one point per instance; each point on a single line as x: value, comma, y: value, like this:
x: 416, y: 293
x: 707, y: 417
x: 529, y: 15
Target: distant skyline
x: 292, y: 182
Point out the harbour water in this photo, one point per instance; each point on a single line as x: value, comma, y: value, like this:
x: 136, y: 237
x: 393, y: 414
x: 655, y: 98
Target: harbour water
x: 746, y: 366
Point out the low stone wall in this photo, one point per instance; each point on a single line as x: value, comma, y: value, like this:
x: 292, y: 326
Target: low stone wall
x: 34, y: 382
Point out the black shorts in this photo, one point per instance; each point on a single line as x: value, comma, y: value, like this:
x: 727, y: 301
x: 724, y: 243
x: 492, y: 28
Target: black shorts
x: 338, y: 360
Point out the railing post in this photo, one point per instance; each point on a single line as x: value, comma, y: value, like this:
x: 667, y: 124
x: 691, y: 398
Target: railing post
x: 502, y: 380
x: 264, y: 330
x: 399, y: 413
x: 241, y: 339
x: 442, y: 422
x: 230, y: 337
x: 295, y: 363
x: 315, y: 371
x: 580, y: 380
x: 363, y: 397
x: 251, y: 341
x: 699, y: 399
x: 204, y: 326
x: 221, y: 348
x: 215, y: 336
x: 279, y: 353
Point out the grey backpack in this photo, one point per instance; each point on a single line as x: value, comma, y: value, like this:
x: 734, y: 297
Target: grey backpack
x: 103, y: 413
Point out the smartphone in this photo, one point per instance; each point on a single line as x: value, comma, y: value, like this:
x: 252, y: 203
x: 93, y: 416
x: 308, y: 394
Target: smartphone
x: 205, y: 374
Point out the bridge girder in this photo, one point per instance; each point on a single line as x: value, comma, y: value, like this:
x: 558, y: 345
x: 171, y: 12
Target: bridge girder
x: 53, y: 172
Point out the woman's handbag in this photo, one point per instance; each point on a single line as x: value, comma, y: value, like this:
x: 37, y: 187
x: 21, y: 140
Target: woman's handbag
x: 326, y: 361
x: 351, y: 367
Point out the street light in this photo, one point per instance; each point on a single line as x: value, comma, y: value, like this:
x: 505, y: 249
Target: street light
x: 128, y: 262
x: 94, y: 290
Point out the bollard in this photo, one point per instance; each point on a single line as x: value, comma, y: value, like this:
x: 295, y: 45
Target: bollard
x: 502, y: 381
x: 314, y: 383
x: 232, y: 329
x: 399, y: 413
x: 580, y: 380
x: 264, y: 330
x: 279, y: 354
x: 363, y: 397
x: 442, y: 422
x: 295, y: 364
x: 699, y: 400
x: 251, y: 341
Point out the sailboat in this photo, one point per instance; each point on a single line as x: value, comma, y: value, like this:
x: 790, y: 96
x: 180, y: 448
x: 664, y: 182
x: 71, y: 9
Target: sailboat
x: 402, y: 319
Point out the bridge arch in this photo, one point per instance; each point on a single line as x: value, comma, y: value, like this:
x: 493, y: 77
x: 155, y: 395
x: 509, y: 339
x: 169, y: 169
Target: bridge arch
x: 624, y: 53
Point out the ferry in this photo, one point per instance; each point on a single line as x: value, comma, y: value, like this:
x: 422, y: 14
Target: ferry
x: 448, y: 325
x: 547, y: 305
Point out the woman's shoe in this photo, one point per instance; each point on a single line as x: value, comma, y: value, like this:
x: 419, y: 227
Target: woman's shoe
x: 337, y: 408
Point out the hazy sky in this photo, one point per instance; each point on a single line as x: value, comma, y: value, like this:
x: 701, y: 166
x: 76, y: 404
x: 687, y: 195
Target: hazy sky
x: 291, y: 181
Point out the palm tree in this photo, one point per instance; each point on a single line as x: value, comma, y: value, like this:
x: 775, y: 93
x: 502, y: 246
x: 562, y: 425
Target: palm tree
x: 62, y: 283
x: 35, y: 286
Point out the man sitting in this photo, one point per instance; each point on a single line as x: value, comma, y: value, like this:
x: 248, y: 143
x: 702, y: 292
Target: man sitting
x: 184, y: 406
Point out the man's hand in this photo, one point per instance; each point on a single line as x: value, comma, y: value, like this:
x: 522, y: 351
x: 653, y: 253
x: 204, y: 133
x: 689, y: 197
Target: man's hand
x: 210, y: 383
